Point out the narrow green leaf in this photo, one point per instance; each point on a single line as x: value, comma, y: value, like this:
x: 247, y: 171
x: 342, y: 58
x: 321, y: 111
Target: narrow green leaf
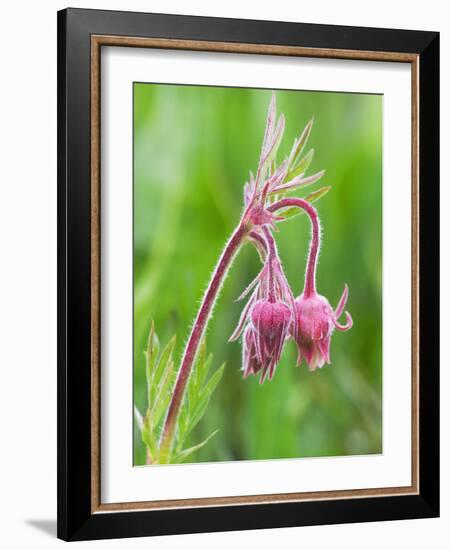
x: 289, y: 213
x: 164, y: 359
x: 163, y: 393
x: 297, y: 182
x: 293, y: 211
x: 183, y: 425
x: 149, y: 437
x: 318, y: 194
x: 206, y: 367
x: 192, y: 389
x: 203, y: 398
x: 162, y: 408
x: 302, y: 142
x: 151, y: 445
x: 210, y: 386
x: 183, y: 421
x: 198, y: 413
x: 192, y: 394
x: 198, y: 376
x: 186, y: 452
x: 191, y: 413
x: 301, y: 167
x: 198, y: 367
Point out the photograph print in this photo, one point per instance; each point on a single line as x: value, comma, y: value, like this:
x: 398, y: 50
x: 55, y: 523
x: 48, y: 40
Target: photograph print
x: 257, y: 289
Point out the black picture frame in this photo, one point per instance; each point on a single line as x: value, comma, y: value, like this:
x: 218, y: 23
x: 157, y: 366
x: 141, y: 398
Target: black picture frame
x: 76, y: 519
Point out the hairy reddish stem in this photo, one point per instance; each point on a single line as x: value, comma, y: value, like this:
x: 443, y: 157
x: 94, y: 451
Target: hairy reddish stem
x: 310, y: 277
x: 196, y: 335
x: 260, y: 240
x: 272, y: 256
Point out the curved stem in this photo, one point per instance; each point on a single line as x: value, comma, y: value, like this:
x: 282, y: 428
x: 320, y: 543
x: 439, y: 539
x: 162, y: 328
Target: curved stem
x: 197, y: 332
x: 260, y: 244
x: 310, y: 274
x: 255, y: 235
x: 272, y: 256
x: 272, y: 252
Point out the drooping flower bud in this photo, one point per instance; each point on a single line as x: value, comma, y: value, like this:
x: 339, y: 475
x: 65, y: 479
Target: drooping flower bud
x: 268, y: 314
x: 270, y: 322
x: 315, y: 323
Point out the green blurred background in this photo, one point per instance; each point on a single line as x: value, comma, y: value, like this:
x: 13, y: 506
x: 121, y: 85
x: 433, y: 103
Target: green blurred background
x: 193, y: 149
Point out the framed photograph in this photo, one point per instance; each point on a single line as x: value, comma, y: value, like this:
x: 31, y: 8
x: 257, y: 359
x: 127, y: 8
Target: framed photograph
x: 248, y: 274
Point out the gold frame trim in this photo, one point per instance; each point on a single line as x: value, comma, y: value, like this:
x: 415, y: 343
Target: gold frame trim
x: 97, y: 41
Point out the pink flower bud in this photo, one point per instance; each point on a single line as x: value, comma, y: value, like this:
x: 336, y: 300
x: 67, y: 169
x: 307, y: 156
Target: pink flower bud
x: 315, y: 323
x: 270, y: 322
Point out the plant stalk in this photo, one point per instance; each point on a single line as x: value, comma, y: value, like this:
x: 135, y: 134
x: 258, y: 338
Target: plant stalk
x: 272, y: 257
x: 196, y: 335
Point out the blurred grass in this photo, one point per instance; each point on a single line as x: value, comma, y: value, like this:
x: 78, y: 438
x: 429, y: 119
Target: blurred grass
x: 193, y: 149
